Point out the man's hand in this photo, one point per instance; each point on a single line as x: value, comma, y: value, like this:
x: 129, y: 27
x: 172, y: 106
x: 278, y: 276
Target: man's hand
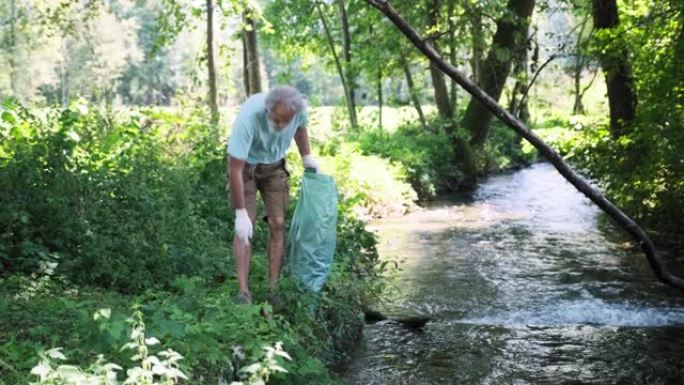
x: 309, y: 162
x: 243, y: 226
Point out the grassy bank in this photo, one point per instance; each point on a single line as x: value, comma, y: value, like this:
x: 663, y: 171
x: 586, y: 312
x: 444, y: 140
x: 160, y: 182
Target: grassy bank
x: 104, y: 210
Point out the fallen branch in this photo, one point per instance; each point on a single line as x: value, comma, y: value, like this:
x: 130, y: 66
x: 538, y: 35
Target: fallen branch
x: 670, y: 271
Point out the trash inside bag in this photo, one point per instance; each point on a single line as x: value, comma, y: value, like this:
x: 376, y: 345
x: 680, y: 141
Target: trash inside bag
x: 313, y: 231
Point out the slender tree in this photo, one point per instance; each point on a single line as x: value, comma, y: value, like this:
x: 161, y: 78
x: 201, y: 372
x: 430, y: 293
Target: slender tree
x: 211, y: 64
x: 349, y: 72
x: 348, y: 95
x: 250, y: 46
x: 413, y: 91
x: 616, y: 67
x: 438, y: 82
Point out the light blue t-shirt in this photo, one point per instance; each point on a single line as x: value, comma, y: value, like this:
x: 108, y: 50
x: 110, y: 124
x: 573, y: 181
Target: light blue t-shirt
x: 251, y: 139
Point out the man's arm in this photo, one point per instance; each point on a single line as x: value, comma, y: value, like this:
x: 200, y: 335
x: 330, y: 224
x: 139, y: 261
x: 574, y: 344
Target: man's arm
x: 243, y: 224
x: 302, y: 139
x: 237, y: 189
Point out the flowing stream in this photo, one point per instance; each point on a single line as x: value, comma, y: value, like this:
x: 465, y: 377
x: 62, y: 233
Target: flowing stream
x: 526, y: 283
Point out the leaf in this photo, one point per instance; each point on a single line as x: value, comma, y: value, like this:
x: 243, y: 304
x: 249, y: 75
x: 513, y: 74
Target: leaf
x: 102, y: 313
x: 56, y: 354
x: 8, y: 117
x: 41, y: 370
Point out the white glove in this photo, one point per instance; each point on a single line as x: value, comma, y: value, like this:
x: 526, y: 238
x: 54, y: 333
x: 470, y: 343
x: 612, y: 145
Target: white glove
x: 309, y: 162
x: 243, y: 226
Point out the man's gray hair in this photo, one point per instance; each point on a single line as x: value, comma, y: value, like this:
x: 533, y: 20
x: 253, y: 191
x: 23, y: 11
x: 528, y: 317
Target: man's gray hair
x: 285, y: 95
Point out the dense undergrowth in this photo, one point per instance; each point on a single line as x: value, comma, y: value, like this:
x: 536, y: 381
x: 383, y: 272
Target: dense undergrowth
x: 105, y: 210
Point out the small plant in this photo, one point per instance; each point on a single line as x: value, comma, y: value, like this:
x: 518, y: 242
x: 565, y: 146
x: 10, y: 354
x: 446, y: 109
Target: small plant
x: 151, y: 370
x: 259, y: 372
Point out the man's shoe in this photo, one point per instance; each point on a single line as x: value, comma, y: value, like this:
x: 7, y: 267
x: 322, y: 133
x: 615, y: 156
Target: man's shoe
x: 243, y: 298
x: 275, y: 300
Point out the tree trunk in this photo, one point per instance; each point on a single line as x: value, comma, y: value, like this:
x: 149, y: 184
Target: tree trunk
x: 463, y: 152
x: 413, y: 92
x: 453, y: 90
x: 511, y: 35
x: 518, y: 105
x: 438, y: 82
x: 251, y: 54
x: 578, y: 106
x: 578, y: 68
x: 351, y: 106
x: 350, y: 73
x: 380, y: 101
x: 669, y: 271
x: 615, y: 64
x: 477, y: 41
x: 245, y: 67
x: 12, y: 45
x: 211, y: 65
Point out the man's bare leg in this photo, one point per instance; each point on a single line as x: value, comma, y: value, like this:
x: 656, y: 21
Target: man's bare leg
x: 276, y: 248
x: 243, y: 252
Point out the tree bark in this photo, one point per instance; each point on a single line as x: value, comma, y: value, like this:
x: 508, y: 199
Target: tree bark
x: 510, y: 35
x: 413, y: 92
x: 438, y: 83
x: 616, y: 67
x: 251, y: 54
x: 211, y: 65
x: 669, y: 271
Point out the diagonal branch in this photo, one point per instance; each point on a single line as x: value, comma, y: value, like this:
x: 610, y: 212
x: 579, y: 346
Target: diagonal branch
x: 669, y: 271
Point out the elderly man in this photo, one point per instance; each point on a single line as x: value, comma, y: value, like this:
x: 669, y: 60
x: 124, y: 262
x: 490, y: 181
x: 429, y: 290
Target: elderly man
x: 262, y: 134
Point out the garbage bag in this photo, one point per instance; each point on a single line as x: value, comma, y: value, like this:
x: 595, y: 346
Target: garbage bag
x: 313, y: 231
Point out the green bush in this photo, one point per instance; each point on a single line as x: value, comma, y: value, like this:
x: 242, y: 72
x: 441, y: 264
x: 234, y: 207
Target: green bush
x: 425, y: 157
x: 101, y: 208
x: 104, y: 198
x: 428, y: 159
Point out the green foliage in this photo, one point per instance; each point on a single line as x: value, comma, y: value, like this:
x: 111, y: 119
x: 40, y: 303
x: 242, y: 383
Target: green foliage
x: 503, y: 150
x: 151, y: 369
x: 642, y: 170
x: 111, y: 209
x: 427, y: 156
x: 371, y: 184
x: 105, y: 198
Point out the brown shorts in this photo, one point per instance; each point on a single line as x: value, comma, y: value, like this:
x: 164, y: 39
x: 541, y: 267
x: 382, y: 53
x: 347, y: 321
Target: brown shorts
x: 273, y: 183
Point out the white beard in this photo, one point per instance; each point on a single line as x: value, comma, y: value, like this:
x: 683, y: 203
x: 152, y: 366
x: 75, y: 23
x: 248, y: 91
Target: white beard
x: 272, y: 128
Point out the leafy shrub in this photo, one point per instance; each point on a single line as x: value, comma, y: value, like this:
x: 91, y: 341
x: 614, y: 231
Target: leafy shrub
x: 102, y: 198
x: 374, y: 185
x: 102, y: 208
x: 427, y: 157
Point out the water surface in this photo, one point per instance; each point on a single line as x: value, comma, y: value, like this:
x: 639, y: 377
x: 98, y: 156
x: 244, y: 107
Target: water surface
x: 527, y: 283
